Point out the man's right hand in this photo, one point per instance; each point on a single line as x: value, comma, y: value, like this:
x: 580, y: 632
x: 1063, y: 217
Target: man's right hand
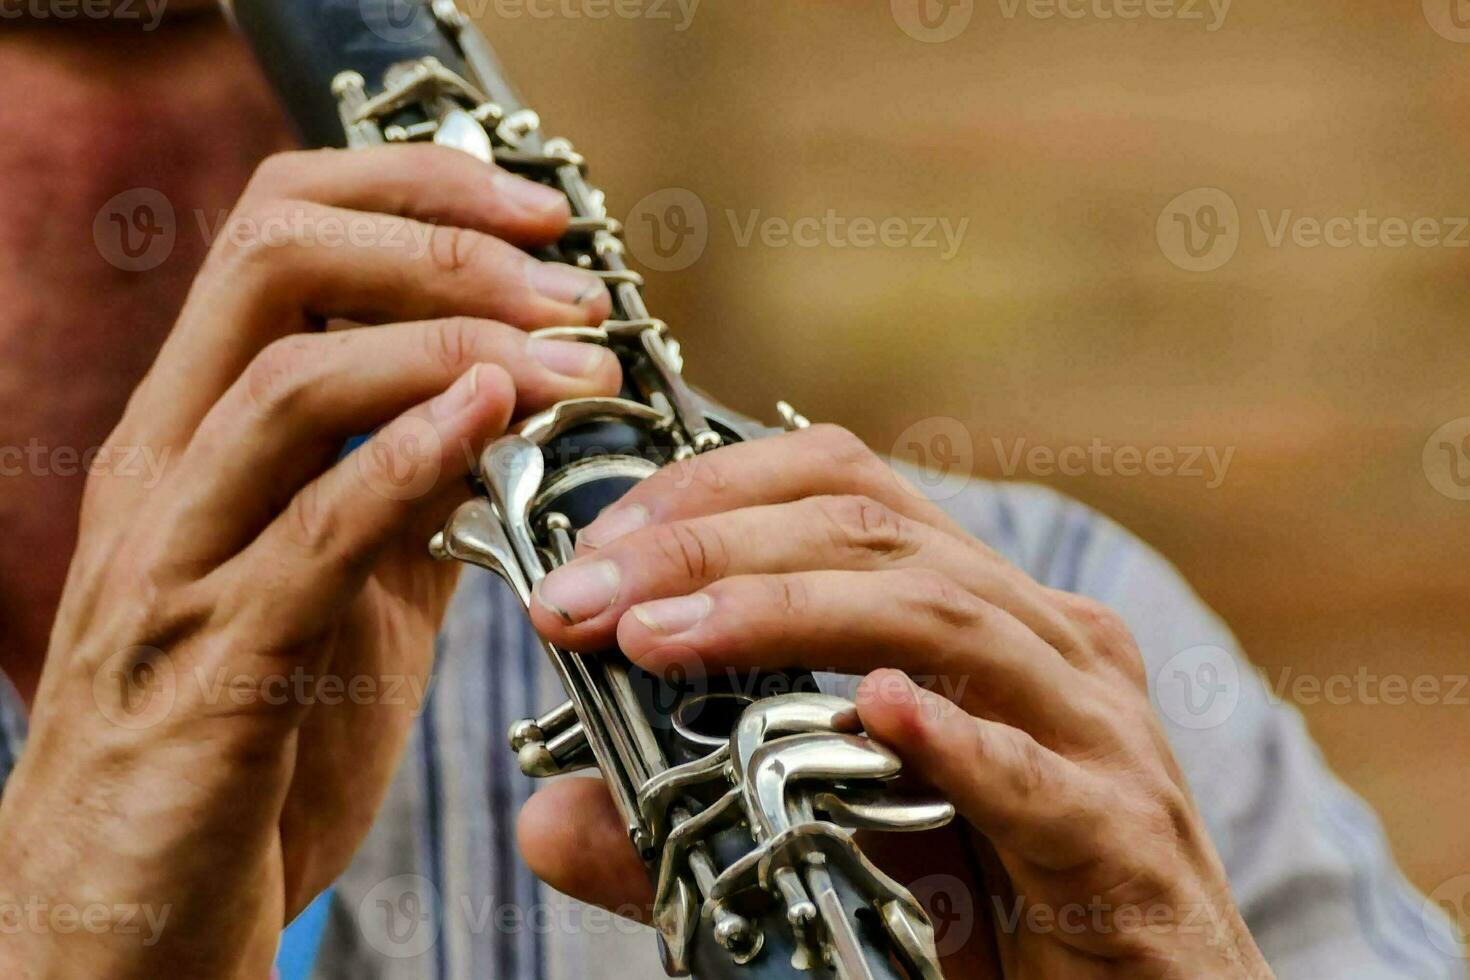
x: 230, y: 676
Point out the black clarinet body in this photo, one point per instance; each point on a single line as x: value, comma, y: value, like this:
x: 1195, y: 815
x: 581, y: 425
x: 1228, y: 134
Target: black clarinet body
x: 740, y: 792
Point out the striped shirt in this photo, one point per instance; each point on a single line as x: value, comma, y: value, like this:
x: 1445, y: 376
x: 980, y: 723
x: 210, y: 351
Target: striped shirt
x: 437, y: 891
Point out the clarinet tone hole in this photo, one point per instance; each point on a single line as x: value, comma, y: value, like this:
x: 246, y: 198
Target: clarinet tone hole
x: 708, y: 719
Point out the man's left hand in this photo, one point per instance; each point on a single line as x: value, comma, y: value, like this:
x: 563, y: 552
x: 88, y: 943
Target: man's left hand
x: 808, y: 551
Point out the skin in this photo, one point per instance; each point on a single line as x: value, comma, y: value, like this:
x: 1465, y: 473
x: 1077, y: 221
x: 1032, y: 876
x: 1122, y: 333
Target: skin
x: 118, y: 110
x: 753, y: 555
x: 260, y: 554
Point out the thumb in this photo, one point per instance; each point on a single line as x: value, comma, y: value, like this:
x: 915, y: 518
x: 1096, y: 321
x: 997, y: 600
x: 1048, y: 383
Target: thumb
x: 572, y: 838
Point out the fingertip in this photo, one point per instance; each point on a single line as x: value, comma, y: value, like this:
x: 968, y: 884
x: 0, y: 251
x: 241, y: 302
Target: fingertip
x: 569, y: 295
x: 547, y: 620
x: 586, y: 366
x: 634, y: 638
x: 544, y: 210
x: 644, y: 645
x: 508, y: 205
x: 915, y: 723
x: 608, y: 376
x: 495, y: 381
x: 897, y: 710
x: 617, y: 521
x: 493, y: 401
x: 597, y: 308
x: 889, y: 707
x: 881, y: 678
x: 654, y: 652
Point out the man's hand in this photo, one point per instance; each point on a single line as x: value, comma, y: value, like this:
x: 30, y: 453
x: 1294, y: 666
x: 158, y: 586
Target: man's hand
x: 806, y: 550
x: 246, y: 633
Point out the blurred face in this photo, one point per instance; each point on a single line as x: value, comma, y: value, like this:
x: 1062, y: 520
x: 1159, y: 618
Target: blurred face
x: 179, y: 110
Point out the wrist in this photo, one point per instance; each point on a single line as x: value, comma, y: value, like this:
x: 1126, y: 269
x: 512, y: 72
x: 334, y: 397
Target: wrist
x: 1232, y: 951
x: 73, y: 904
x: 63, y: 934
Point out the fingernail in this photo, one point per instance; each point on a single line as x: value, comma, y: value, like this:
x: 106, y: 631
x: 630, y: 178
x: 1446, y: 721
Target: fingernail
x: 677, y: 615
x: 458, y: 396
x: 569, y: 358
x: 529, y: 195
x: 579, y: 591
x: 564, y: 283
x: 613, y: 524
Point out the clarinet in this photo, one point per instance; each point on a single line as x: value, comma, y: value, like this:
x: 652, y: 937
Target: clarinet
x: 740, y: 793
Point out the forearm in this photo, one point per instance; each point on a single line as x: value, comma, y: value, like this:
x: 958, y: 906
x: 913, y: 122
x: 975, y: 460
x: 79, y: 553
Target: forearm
x: 118, y: 879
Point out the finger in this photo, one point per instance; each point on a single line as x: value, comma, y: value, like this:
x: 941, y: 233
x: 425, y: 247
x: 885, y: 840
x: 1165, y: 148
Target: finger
x: 310, y: 264
x: 390, y: 269
x: 430, y: 183
x: 314, y: 557
x: 578, y: 606
x: 1026, y: 798
x: 569, y: 820
x: 854, y: 622
x: 285, y: 419
x: 822, y: 460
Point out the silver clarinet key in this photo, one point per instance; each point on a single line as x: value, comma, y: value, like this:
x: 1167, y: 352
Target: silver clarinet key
x: 742, y: 807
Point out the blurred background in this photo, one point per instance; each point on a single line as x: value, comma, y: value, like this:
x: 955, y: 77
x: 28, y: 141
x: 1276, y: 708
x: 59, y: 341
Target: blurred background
x: 1096, y: 289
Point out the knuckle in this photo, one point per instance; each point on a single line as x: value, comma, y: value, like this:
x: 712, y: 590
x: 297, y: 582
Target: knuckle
x: 861, y: 524
x: 846, y: 455
x: 697, y: 552
x: 840, y: 445
x: 172, y: 617
x: 309, y: 522
x: 452, y: 343
x: 935, y: 595
x: 1096, y: 618
x: 707, y: 475
x: 1173, y: 821
x: 1026, y: 767
x: 280, y: 171
x: 453, y: 250
x: 163, y: 609
x: 277, y: 376
x: 1108, y: 636
x: 790, y: 595
x: 264, y: 233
